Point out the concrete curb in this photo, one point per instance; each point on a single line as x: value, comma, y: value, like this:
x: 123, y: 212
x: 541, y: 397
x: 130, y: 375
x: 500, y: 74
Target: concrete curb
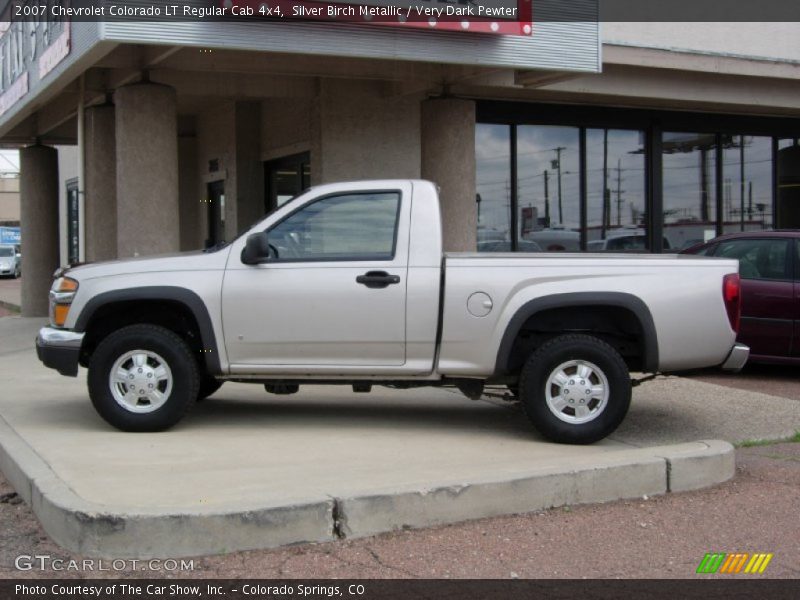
x: 94, y: 530
x: 10, y: 306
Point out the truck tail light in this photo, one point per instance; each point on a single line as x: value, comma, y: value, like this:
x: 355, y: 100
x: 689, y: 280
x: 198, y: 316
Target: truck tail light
x: 731, y: 293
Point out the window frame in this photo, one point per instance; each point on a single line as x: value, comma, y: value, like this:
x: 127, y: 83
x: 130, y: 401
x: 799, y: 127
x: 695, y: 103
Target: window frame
x: 795, y: 260
x: 344, y: 258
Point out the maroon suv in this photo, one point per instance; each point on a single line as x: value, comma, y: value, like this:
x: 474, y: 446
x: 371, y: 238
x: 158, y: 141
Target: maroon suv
x: 769, y: 267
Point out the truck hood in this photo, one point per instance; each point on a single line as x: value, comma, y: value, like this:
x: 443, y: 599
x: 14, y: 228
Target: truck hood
x: 162, y: 263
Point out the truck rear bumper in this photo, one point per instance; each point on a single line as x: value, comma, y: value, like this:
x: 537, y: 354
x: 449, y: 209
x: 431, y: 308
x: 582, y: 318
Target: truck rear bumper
x: 737, y: 358
x: 59, y: 349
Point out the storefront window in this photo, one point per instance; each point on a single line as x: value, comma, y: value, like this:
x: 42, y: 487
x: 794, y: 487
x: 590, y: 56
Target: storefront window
x: 788, y: 197
x: 747, y: 183
x: 690, y: 199
x: 568, y: 182
x: 615, y: 198
x: 549, y: 201
x: 493, y: 187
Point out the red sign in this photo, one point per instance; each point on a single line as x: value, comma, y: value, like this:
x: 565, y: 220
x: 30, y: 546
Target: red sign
x: 502, y: 17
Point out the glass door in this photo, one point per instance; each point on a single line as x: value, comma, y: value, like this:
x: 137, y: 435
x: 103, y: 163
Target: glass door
x: 73, y: 216
x: 286, y: 177
x: 216, y: 213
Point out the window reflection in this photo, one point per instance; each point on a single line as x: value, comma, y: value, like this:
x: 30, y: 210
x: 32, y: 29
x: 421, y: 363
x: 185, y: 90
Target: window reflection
x: 788, y: 198
x: 493, y: 186
x: 615, y: 198
x: 548, y: 161
x: 537, y: 204
x: 346, y: 227
x: 747, y: 183
x: 690, y: 200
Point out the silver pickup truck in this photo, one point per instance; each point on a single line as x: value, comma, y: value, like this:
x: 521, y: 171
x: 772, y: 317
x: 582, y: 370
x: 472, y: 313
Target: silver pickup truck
x: 347, y: 284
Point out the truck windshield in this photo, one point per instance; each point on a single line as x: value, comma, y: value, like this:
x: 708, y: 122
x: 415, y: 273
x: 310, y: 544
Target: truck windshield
x: 7, y: 251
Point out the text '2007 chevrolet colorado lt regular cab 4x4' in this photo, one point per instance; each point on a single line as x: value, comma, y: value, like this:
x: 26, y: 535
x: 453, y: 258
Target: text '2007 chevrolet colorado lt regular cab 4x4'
x: 347, y: 284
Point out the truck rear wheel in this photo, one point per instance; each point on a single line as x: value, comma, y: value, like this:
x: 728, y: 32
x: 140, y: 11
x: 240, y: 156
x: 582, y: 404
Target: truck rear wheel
x: 575, y: 389
x: 143, y: 378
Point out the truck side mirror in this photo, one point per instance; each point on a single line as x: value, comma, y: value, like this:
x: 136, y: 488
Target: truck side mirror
x: 256, y: 248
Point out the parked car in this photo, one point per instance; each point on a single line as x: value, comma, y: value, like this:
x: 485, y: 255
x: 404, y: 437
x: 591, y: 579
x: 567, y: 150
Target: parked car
x: 556, y: 239
x: 623, y: 240
x: 10, y: 261
x: 522, y: 246
x: 348, y: 284
x: 769, y: 267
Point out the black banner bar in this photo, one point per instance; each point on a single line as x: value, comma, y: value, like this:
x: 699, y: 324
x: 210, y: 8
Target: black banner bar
x: 732, y: 587
x: 451, y: 10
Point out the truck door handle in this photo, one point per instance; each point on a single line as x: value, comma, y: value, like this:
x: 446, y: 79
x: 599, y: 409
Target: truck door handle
x: 377, y: 279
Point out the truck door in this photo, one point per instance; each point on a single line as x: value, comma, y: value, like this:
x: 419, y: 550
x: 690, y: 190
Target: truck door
x: 333, y: 292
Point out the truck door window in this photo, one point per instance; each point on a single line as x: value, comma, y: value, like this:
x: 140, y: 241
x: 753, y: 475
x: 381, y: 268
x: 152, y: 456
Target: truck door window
x: 356, y: 226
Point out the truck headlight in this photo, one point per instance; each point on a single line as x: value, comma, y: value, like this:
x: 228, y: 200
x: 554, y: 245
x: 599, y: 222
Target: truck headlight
x: 61, y: 294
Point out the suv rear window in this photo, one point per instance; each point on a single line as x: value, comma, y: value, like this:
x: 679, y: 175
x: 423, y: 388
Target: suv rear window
x: 758, y: 259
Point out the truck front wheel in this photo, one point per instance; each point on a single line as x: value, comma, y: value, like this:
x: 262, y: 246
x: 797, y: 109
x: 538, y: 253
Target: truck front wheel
x: 575, y: 389
x: 143, y: 378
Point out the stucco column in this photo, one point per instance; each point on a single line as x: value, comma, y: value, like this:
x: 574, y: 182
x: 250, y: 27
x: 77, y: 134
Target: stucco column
x: 249, y: 167
x: 38, y: 188
x: 147, y: 170
x: 100, y: 189
x: 448, y: 159
x: 188, y: 176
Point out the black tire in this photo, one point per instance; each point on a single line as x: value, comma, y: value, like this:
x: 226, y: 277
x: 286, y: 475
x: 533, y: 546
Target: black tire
x: 611, y: 407
x: 208, y: 385
x: 157, y: 341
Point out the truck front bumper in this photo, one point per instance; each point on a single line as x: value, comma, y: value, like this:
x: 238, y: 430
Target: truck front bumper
x: 59, y: 349
x: 736, y: 359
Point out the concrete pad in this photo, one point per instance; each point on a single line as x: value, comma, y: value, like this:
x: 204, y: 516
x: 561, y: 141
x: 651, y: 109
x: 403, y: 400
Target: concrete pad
x: 247, y: 469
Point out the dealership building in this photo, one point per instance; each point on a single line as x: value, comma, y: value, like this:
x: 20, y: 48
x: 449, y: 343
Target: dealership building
x: 141, y: 138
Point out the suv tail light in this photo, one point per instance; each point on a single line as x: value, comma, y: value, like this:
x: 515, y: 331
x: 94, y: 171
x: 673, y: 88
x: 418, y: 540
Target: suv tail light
x: 731, y: 293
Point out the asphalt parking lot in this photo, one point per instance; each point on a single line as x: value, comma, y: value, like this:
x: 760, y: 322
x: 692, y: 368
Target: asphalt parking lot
x: 774, y: 380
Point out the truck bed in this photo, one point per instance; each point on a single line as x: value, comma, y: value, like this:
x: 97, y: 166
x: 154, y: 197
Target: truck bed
x: 682, y: 294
